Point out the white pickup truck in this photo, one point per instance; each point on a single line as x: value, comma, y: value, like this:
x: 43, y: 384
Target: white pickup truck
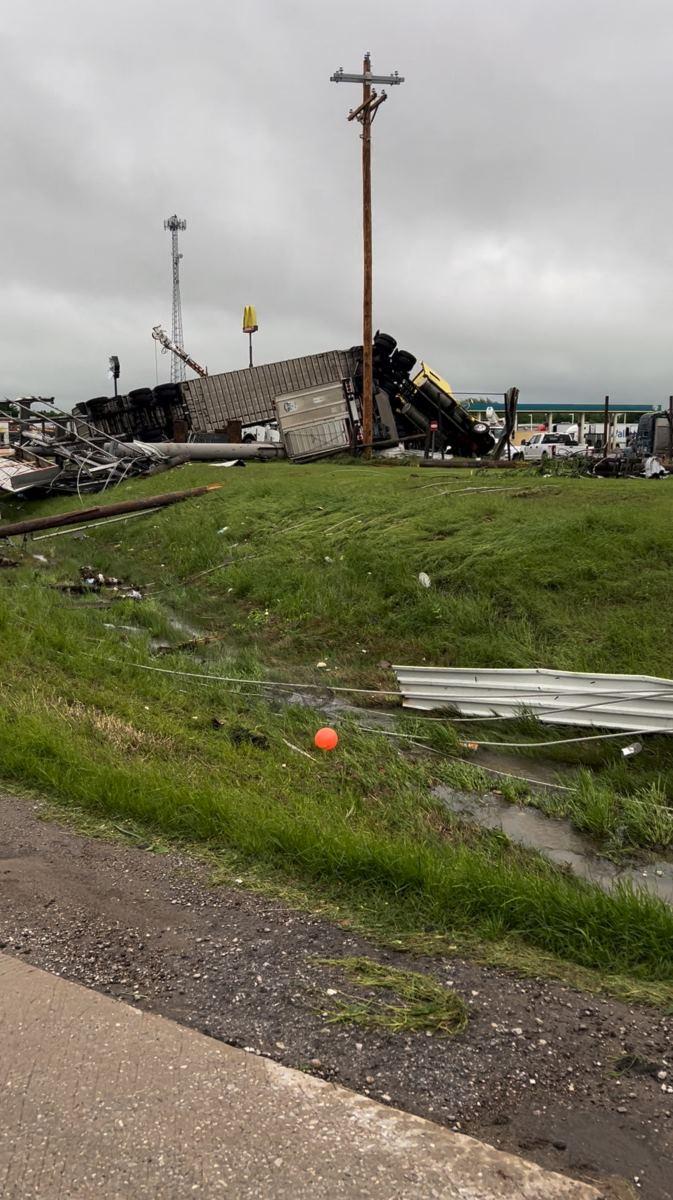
x: 549, y: 445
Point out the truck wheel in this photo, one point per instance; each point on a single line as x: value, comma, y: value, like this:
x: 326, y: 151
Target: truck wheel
x: 384, y: 344
x: 403, y: 361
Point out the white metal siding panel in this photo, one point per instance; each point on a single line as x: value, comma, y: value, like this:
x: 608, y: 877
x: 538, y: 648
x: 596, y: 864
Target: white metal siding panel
x: 555, y: 697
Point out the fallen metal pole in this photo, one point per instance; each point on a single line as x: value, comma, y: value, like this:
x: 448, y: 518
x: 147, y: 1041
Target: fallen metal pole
x: 83, y: 515
x: 214, y: 451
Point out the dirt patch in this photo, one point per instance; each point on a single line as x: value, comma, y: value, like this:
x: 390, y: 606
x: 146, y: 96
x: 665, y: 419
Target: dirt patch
x: 534, y: 1072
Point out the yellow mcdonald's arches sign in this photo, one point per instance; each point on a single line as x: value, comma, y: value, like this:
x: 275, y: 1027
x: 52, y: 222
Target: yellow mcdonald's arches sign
x: 250, y: 319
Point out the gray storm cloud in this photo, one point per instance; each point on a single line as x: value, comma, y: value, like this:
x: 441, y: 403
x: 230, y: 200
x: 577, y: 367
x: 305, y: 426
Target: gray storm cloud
x: 521, y: 188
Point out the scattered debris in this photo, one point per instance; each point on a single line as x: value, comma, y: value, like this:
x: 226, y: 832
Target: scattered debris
x: 424, y: 580
x: 21, y: 476
x: 654, y: 469
x: 194, y: 643
x: 69, y: 456
x: 92, y: 582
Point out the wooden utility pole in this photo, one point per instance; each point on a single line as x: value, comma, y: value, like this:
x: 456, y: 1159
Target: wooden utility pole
x: 367, y: 320
x: 365, y: 113
x: 81, y: 515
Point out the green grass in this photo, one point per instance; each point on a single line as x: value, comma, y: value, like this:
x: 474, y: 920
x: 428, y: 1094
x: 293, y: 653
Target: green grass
x: 618, y: 822
x: 325, y: 568
x: 425, y: 1004
x: 571, y: 573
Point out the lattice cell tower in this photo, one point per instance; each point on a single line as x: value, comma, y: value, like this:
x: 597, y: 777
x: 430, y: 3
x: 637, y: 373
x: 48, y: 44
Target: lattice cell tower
x: 175, y: 224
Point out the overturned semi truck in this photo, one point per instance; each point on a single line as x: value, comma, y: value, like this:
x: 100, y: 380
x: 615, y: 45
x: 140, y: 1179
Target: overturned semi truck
x: 315, y: 401
x: 409, y: 404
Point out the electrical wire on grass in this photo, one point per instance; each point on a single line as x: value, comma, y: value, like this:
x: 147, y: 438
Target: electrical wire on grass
x: 561, y: 787
x: 320, y: 687
x: 593, y: 737
x: 330, y: 687
x: 617, y: 698
x: 414, y: 741
x: 146, y: 512
x: 474, y: 720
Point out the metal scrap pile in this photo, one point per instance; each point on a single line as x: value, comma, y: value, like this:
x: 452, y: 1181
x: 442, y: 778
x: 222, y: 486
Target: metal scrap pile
x: 65, y: 455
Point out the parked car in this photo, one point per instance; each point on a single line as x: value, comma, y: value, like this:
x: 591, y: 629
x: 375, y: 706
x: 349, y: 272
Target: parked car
x: 549, y: 445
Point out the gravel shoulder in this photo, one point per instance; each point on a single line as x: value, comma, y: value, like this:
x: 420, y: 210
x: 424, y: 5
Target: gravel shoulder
x: 533, y: 1073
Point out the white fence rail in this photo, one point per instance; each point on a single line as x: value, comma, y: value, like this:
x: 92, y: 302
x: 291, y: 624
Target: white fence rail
x: 626, y: 702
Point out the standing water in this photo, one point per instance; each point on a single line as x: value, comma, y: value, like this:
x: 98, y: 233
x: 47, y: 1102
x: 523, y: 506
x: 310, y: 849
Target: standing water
x: 556, y: 840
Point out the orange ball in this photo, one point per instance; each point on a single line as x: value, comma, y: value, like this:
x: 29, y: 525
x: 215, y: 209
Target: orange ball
x: 326, y: 739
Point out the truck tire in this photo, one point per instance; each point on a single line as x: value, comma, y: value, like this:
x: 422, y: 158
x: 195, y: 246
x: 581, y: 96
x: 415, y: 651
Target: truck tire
x: 403, y: 361
x: 384, y: 344
x: 166, y: 391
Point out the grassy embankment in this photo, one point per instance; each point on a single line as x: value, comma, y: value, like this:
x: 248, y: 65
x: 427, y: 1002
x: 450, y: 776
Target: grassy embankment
x: 321, y: 564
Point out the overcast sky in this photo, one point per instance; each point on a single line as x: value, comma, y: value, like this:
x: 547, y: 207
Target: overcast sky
x: 523, y: 188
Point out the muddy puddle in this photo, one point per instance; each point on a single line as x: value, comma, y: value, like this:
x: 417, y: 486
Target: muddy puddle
x: 557, y: 841
x: 331, y: 706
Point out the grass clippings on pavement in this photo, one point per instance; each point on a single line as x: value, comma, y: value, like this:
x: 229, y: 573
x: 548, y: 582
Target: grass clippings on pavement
x: 421, y: 1003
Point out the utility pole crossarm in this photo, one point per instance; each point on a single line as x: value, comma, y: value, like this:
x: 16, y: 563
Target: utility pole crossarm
x: 341, y: 77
